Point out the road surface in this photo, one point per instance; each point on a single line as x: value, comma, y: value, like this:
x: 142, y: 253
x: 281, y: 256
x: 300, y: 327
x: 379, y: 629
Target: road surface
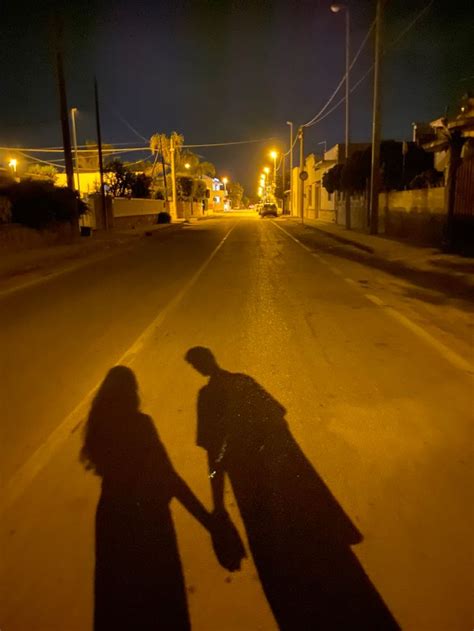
x: 367, y: 376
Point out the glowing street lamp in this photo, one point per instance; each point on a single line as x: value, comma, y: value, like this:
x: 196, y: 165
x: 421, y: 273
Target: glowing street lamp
x: 13, y: 164
x: 274, y: 155
x: 225, y: 180
x: 187, y: 166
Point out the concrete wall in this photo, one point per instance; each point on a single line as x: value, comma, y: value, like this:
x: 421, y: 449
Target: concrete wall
x: 418, y: 214
x: 15, y: 237
x: 130, y: 207
x: 359, y: 205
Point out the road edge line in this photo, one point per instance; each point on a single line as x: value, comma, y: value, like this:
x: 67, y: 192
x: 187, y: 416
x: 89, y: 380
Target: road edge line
x: 27, y: 472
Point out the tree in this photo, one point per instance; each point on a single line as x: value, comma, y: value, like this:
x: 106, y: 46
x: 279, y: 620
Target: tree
x: 122, y: 182
x: 140, y: 186
x: 118, y: 179
x: 235, y: 192
x: 161, y: 144
x: 88, y: 159
x: 205, y: 168
x: 199, y: 189
x: 184, y: 187
x: 399, y: 162
x: 332, y: 179
x: 42, y: 172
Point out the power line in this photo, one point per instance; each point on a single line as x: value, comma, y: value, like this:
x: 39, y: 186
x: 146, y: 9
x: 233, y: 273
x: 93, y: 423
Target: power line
x: 342, y: 81
x: 125, y: 122
x: 132, y: 149
x: 341, y: 101
x: 39, y: 160
x: 367, y: 73
x: 235, y: 142
x: 411, y: 25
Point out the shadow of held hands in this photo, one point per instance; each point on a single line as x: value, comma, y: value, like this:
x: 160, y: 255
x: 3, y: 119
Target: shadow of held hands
x: 226, y: 541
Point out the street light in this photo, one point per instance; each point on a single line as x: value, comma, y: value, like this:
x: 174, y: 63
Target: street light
x: 335, y: 8
x: 187, y: 166
x: 291, y: 165
x: 273, y: 155
x: 225, y: 180
x: 74, y: 140
x: 13, y: 164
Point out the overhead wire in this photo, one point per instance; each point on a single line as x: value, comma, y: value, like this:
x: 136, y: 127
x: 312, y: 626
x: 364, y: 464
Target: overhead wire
x: 369, y: 70
x: 34, y: 159
x: 342, y: 81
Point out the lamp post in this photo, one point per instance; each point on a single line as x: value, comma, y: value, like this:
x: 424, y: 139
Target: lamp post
x: 74, y: 141
x: 266, y: 170
x: 335, y: 8
x: 291, y: 165
x: 273, y: 156
x: 174, y: 212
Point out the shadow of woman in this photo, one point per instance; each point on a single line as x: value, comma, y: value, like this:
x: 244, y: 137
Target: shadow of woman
x: 138, y: 575
x: 299, y: 535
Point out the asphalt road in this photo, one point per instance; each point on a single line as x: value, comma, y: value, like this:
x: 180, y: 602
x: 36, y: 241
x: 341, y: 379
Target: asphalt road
x: 351, y: 464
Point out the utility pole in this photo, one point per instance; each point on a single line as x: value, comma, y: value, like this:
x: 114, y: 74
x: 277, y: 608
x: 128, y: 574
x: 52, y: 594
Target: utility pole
x: 348, y: 34
x: 283, y: 160
x: 101, y: 162
x: 301, y: 173
x: 63, y: 109
x: 173, y: 179
x: 291, y: 166
x: 74, y: 140
x: 163, y: 167
x: 375, y: 165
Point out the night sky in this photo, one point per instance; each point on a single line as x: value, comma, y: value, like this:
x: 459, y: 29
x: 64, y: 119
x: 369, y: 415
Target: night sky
x: 226, y: 70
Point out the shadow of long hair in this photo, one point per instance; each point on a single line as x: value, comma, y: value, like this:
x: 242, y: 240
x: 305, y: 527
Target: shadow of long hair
x: 138, y: 575
x: 299, y: 535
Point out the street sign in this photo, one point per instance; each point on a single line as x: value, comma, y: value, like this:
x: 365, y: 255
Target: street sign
x: 304, y: 175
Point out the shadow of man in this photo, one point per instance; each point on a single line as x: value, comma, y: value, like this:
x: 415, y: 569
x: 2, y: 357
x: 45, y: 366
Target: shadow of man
x: 138, y: 575
x: 300, y: 537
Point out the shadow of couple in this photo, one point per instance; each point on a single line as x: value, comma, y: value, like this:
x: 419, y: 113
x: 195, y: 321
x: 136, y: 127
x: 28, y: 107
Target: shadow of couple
x: 299, y: 536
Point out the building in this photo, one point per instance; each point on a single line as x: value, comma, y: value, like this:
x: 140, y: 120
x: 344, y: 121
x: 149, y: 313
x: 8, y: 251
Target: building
x: 216, y: 198
x: 318, y: 203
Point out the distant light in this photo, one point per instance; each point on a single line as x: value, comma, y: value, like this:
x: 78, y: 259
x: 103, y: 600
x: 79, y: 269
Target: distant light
x: 225, y: 180
x: 273, y: 154
x: 335, y: 8
x: 187, y: 165
x: 267, y: 170
x: 13, y: 164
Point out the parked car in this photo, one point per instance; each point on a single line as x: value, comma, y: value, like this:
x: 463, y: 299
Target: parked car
x: 269, y: 210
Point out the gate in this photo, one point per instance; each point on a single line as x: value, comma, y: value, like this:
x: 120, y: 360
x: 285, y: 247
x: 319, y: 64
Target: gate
x: 463, y: 215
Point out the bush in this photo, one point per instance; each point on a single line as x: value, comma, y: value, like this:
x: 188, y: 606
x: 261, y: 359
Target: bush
x: 164, y: 217
x: 41, y: 204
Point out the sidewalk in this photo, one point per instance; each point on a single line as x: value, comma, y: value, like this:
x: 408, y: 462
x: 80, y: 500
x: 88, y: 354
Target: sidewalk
x: 449, y: 268
x: 18, y: 269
